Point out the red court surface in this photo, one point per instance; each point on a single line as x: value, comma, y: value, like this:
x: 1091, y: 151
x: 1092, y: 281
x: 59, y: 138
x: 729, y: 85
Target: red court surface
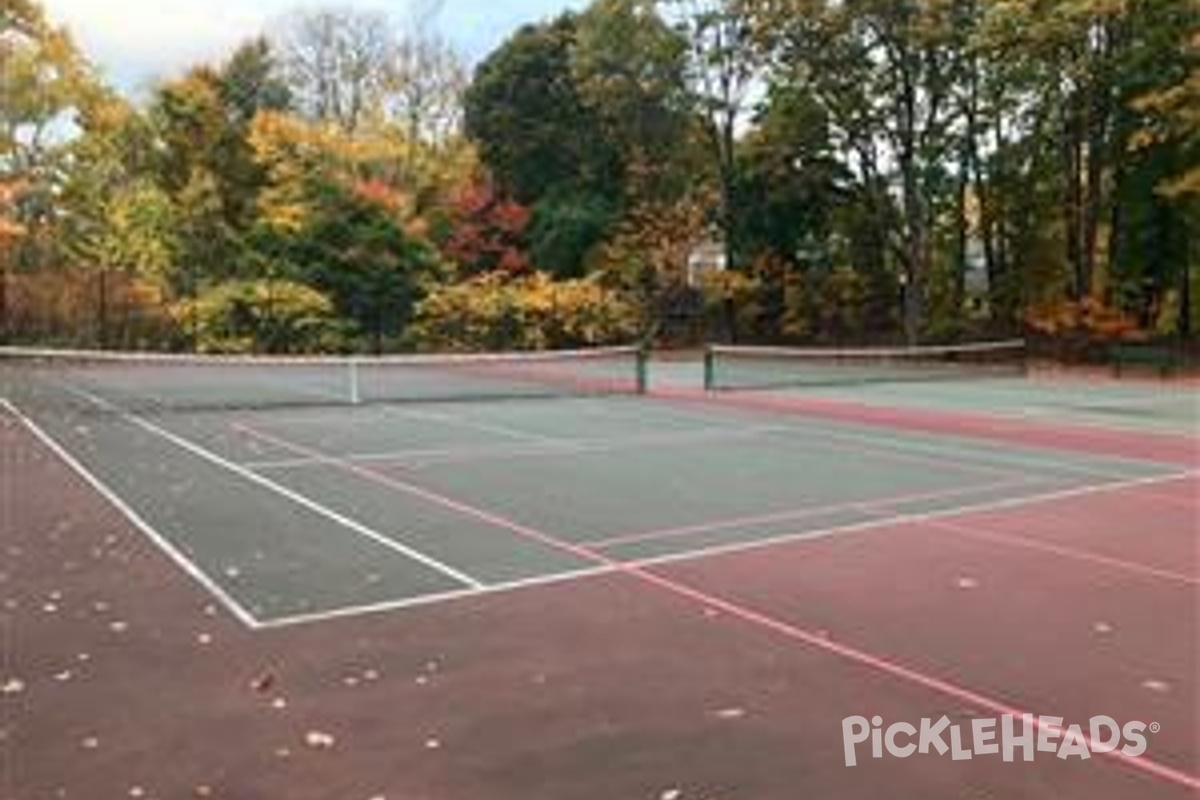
x: 718, y: 678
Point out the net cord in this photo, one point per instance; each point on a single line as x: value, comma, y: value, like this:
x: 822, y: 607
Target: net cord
x: 882, y: 353
x: 16, y: 353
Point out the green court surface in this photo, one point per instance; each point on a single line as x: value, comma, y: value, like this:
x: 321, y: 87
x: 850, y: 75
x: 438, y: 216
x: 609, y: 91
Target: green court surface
x: 1136, y: 405
x: 300, y: 514
x: 1164, y: 409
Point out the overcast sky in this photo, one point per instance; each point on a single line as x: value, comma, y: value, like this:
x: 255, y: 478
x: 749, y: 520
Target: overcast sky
x: 136, y: 41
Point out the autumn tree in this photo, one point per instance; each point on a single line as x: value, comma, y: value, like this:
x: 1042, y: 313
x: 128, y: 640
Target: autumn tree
x: 325, y: 223
x: 485, y: 232
x: 44, y: 82
x: 205, y: 161
x: 11, y: 231
x: 121, y: 225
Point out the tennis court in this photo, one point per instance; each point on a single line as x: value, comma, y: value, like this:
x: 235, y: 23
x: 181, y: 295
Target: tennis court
x: 563, y: 587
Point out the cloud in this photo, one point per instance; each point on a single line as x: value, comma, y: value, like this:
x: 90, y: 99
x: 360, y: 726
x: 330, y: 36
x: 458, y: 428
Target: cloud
x: 136, y: 41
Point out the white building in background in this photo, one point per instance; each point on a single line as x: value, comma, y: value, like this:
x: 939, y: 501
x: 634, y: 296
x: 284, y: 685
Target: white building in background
x: 706, y: 257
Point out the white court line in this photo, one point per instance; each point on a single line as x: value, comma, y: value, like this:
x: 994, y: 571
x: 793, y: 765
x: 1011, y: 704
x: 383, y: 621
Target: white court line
x: 433, y: 599
x: 283, y: 491
x: 945, y: 455
x: 911, y: 454
x: 1118, y: 404
x: 1038, y: 412
x: 748, y: 615
x: 1047, y: 410
x: 520, y: 434
x: 916, y: 518
x: 952, y: 450
x: 182, y: 561
x: 1048, y: 392
x: 701, y: 554
x: 451, y: 420
x: 443, y: 455
x: 790, y: 515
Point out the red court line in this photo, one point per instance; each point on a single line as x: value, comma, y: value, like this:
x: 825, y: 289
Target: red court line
x: 801, y: 513
x: 1013, y: 540
x: 834, y: 441
x: 745, y: 614
x: 1088, y: 439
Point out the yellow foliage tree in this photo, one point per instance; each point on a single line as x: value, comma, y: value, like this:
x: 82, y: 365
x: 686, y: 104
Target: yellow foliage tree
x: 535, y: 312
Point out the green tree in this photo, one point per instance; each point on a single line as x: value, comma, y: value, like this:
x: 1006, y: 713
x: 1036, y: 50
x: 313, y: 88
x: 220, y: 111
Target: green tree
x: 630, y: 69
x: 354, y: 250
x: 1156, y: 183
x: 251, y: 81
x: 790, y: 181
x: 887, y: 76
x: 566, y: 227
x: 533, y: 129
x: 1097, y: 150
x: 794, y: 201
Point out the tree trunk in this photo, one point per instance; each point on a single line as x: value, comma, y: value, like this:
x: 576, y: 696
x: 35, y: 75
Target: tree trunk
x: 102, y: 310
x: 1117, y: 234
x: 915, y: 230
x: 1094, y: 194
x: 1185, y: 301
x: 974, y: 180
x: 728, y: 186
x: 1073, y: 202
x: 4, y: 323
x: 961, y: 236
x: 991, y: 214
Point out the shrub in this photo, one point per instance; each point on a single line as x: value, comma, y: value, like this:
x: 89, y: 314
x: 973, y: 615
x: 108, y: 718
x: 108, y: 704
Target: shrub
x: 496, y: 312
x: 261, y: 317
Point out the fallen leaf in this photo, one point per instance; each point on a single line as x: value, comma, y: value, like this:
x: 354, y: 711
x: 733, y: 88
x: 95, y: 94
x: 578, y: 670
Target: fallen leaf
x: 319, y: 740
x: 263, y: 682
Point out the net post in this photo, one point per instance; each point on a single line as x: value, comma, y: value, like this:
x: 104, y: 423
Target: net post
x: 710, y: 376
x: 643, y: 369
x: 355, y: 391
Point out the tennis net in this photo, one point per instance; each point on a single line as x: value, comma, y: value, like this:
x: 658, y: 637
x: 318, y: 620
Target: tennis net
x: 159, y: 382
x: 747, y: 368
